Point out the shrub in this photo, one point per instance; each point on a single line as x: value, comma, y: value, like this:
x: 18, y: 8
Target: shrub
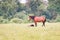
x: 58, y: 19
x: 3, y: 20
x: 16, y: 20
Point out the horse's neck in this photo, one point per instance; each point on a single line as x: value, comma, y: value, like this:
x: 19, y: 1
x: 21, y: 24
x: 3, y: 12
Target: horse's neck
x: 33, y: 17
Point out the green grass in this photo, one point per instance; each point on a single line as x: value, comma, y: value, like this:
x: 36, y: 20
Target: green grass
x: 25, y: 32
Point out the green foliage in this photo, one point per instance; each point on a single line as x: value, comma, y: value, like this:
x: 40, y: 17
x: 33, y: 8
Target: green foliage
x: 10, y: 9
x: 58, y: 19
x: 21, y: 15
x: 3, y: 20
x: 54, y: 5
x: 16, y: 20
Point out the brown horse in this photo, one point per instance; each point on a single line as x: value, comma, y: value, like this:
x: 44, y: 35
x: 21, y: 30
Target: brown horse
x: 38, y: 19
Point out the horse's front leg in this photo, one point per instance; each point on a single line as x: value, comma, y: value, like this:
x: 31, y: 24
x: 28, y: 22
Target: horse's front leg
x: 36, y: 24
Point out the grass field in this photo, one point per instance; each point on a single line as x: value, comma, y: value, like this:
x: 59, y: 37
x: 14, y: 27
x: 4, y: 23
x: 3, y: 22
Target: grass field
x: 25, y: 32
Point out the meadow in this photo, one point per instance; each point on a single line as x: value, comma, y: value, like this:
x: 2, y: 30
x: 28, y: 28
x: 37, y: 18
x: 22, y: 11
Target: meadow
x: 25, y: 32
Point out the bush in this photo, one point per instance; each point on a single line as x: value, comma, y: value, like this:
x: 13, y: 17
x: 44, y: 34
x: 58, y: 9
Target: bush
x: 16, y: 20
x: 58, y: 19
x: 3, y: 20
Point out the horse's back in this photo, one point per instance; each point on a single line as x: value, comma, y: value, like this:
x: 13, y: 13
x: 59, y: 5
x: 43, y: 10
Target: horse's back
x: 40, y: 18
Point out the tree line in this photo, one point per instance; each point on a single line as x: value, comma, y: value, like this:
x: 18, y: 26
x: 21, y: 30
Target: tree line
x: 14, y: 11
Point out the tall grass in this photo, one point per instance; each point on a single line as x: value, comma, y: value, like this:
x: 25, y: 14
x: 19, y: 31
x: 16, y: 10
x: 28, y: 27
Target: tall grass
x: 25, y: 32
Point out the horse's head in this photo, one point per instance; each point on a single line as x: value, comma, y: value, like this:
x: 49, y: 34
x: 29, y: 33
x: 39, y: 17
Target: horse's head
x: 31, y: 17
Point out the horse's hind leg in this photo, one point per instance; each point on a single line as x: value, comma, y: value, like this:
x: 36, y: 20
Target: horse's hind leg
x: 43, y: 24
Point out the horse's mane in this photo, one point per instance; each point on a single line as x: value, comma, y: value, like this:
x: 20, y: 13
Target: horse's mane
x: 32, y: 17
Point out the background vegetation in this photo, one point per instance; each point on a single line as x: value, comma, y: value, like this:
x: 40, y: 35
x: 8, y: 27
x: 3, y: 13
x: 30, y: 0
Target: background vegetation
x: 12, y: 11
